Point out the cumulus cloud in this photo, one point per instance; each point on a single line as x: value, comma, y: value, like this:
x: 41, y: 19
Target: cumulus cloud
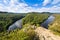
x: 15, y: 6
x: 51, y: 9
x: 56, y: 1
x: 46, y: 2
x: 35, y: 5
x: 52, y: 2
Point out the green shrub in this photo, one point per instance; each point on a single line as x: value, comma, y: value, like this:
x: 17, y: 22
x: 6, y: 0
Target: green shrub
x: 35, y: 19
x: 20, y: 35
x: 55, y: 26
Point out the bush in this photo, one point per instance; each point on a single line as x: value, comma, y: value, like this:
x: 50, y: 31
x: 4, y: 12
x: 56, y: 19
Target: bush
x: 35, y: 19
x: 55, y: 26
x: 20, y: 35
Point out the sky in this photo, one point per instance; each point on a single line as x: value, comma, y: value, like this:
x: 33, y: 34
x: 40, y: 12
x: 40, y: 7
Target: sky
x: 24, y: 6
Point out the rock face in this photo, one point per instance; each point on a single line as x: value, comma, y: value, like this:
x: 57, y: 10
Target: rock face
x: 45, y: 34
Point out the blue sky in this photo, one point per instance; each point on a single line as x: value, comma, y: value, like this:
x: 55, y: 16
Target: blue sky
x: 24, y: 6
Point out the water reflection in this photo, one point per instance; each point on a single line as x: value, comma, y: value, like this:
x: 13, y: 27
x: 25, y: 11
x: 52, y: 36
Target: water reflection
x: 17, y: 24
x: 49, y: 20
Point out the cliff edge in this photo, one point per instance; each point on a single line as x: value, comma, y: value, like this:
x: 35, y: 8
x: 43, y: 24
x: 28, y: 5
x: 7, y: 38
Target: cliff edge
x: 45, y: 34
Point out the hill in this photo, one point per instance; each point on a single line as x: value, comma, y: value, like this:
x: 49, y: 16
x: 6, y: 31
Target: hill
x: 31, y: 26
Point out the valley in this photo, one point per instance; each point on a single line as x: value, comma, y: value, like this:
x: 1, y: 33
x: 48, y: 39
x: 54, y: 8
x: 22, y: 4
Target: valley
x: 29, y: 26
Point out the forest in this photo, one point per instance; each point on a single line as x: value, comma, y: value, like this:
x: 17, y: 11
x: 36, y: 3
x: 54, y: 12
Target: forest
x: 28, y: 20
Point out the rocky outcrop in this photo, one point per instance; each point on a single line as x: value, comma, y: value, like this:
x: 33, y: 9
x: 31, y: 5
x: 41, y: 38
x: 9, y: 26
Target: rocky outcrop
x: 45, y: 34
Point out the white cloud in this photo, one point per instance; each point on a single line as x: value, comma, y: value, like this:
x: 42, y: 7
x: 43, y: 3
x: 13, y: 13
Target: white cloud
x: 12, y: 7
x: 46, y: 2
x: 51, y: 9
x: 35, y: 5
x: 55, y: 1
x: 51, y: 2
x: 15, y: 6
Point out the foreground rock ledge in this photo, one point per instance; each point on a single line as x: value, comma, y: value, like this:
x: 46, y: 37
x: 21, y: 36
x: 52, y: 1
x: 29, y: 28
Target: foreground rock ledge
x: 45, y: 34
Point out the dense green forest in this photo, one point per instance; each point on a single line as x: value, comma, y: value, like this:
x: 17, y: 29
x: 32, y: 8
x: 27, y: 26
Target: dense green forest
x: 35, y: 19
x: 8, y: 19
x: 28, y: 20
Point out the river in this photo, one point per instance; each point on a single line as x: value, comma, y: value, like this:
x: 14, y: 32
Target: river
x: 49, y: 20
x: 18, y: 24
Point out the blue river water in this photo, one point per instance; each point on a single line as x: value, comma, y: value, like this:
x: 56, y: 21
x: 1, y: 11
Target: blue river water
x: 18, y: 24
x: 49, y: 20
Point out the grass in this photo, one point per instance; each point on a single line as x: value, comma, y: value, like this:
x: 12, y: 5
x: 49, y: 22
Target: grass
x: 55, y: 26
